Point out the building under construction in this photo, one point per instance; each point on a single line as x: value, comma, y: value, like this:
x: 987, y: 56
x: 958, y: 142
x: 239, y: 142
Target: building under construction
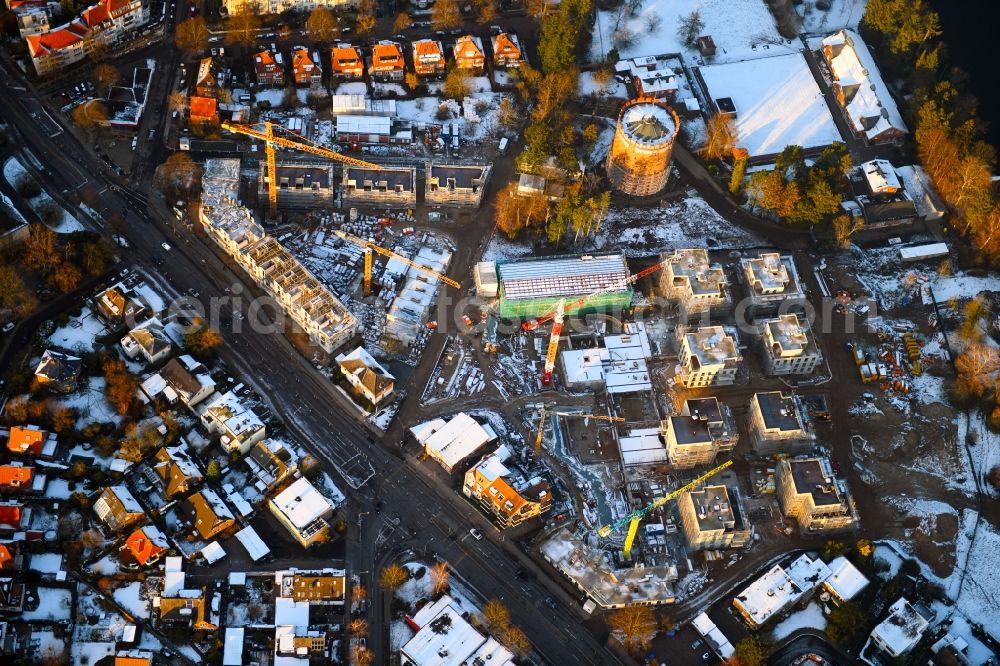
x: 533, y: 287
x: 639, y: 159
x: 300, y: 185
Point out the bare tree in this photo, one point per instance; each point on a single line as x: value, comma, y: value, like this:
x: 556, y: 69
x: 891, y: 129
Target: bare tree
x: 977, y: 368
x: 439, y: 578
x: 845, y: 226
x: 637, y: 626
x: 402, y: 22
x: 321, y: 25
x: 192, y: 36
x: 243, y: 27
x: 392, y: 577
x: 107, y: 75
x: 446, y: 14
x: 689, y: 27
x: 358, y: 627
x: 720, y: 137
x: 496, y: 616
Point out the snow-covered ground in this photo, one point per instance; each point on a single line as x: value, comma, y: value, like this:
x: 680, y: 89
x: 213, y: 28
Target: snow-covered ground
x: 610, y: 88
x: 474, y: 125
x: 810, y: 617
x: 128, y: 596
x: 79, y: 332
x: 12, y: 170
x: 54, y: 605
x: 740, y: 29
x: 89, y: 403
x: 778, y: 103
x: 413, y: 590
x: 841, y: 14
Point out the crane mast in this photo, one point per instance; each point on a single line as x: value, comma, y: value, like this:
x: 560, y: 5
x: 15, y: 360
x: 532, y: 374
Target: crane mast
x: 370, y: 247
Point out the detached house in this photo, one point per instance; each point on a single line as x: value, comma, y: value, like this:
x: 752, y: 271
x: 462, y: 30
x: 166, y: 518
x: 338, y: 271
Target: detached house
x: 203, y: 111
x: 468, y: 54
x: 176, y: 470
x: 147, y: 341
x: 31, y: 441
x: 369, y: 379
x: 210, y: 515
x: 119, y: 306
x: 304, y: 511
x: 346, y: 63
x: 117, y: 508
x: 428, y: 57
x: 306, y: 69
x: 239, y: 427
x: 271, y: 462
x: 507, y: 50
x: 17, y: 479
x: 509, y: 500
x: 207, y: 81
x: 387, y: 62
x: 146, y: 545
x: 182, y: 379
x: 58, y: 372
x: 268, y: 69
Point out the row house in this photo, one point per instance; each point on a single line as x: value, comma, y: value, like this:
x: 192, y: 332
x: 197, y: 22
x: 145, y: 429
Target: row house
x: 269, y: 69
x: 428, y: 57
x: 507, y: 50
x: 280, y: 6
x: 101, y: 25
x: 393, y: 186
x: 468, y: 54
x: 306, y: 68
x: 346, y: 63
x: 387, y: 62
x: 455, y: 184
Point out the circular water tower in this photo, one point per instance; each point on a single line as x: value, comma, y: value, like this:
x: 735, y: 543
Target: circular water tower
x: 639, y: 159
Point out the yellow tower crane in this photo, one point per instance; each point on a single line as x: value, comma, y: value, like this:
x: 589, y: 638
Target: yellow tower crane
x: 545, y: 411
x: 271, y: 140
x: 633, y: 518
x: 371, y: 247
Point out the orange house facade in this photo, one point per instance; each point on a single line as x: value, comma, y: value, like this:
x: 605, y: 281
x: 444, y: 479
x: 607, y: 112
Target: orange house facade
x: 387, y: 62
x: 468, y: 54
x: 428, y: 57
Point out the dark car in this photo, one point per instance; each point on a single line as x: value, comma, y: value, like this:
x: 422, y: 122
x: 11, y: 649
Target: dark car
x: 551, y: 603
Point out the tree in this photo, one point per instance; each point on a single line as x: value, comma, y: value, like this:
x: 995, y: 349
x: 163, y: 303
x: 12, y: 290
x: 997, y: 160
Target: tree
x: 65, y: 277
x: 359, y: 592
x: 439, y: 578
x: 401, y: 22
x: 366, y: 20
x: 178, y: 102
x: 845, y: 623
x: 486, y: 10
x: 637, y: 626
x: 977, y: 368
x: 178, y: 176
x: 446, y: 15
x: 14, y: 293
x: 458, y: 83
x: 192, y: 36
x: 392, y: 577
x: 515, y: 640
x: 720, y: 137
x: 92, y: 539
x: 994, y: 478
x: 290, y: 98
x: 751, y: 651
x: 107, y: 75
x: 361, y: 656
x: 120, y: 386
x: 358, y: 628
x: 40, y: 252
x: 845, y: 226
x: 689, y: 27
x: 321, y: 25
x: 212, y: 470
x: 740, y: 159
x: 242, y: 27
x: 203, y: 340
x: 90, y: 115
x: 496, y: 616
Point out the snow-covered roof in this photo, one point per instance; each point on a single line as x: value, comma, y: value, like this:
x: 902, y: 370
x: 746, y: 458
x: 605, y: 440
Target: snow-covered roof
x: 808, y: 573
x: 642, y: 446
x: 302, y: 504
x: 768, y: 595
x: 454, y: 441
x: 232, y: 654
x: 925, y: 251
x: 445, y: 638
x: 778, y: 103
x: 288, y: 612
x: 213, y: 552
x: 845, y: 581
x: 356, y: 124
x: 713, y: 636
x: 620, y: 364
x: 253, y: 543
x: 902, y: 629
x: 648, y: 123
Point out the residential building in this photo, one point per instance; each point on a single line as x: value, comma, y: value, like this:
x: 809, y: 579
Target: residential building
x: 845, y: 581
x: 777, y: 424
x: 772, y: 282
x: 452, y: 442
x: 299, y: 185
x: 857, y: 84
x: 208, y: 514
x: 58, y: 372
x: 394, y: 186
x: 280, y: 6
x: 32, y: 20
x: 238, y: 425
x: 271, y: 462
x: 506, y: 50
x: 210, y: 78
x: 346, y: 63
x: 105, y: 24
x: 708, y: 356
x: 455, y: 184
x: 203, y: 111
x: 370, y: 380
x: 182, y: 379
x: 445, y: 638
x: 319, y: 586
x: 147, y: 545
x: 133, y: 658
x: 691, y: 279
x: 31, y: 441
x: 618, y: 366
x: 119, y: 306
x: 712, y: 518
x: 148, y: 341
x: 372, y: 129
x: 304, y: 511
x: 14, y: 517
x: 789, y: 346
x: 808, y: 492
x: 879, y: 192
x: 269, y: 69
x: 16, y: 478
x: 428, y: 57
x: 306, y: 68
x: 176, y: 470
x: 12, y: 595
x: 506, y: 496
x: 387, y: 61
x: 698, y: 433
x: 117, y: 508
x: 468, y: 54
x: 898, y: 633
x: 779, y: 589
x: 305, y: 299
x: 651, y: 78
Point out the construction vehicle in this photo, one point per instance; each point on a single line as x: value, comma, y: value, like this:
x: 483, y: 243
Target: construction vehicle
x: 370, y: 248
x: 553, y: 349
x: 633, y: 519
x: 271, y: 140
x: 545, y: 411
x: 572, y: 306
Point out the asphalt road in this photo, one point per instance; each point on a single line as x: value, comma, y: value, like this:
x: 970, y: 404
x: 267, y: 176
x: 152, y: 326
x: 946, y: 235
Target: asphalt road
x: 311, y: 408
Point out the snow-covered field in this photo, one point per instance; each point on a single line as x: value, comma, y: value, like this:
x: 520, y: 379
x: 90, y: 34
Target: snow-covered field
x: 778, y: 103
x: 79, y: 332
x: 128, y: 597
x: 740, y: 29
x: 54, y: 605
x: 89, y: 402
x: 12, y: 170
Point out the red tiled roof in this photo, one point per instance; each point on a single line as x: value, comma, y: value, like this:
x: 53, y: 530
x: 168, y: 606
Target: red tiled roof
x: 53, y: 40
x: 10, y: 514
x: 14, y: 475
x: 142, y: 547
x: 5, y: 556
x: 203, y: 107
x: 26, y: 440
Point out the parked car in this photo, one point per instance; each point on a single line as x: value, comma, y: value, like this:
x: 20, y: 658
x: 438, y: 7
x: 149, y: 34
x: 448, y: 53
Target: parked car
x: 165, y: 246
x: 8, y: 327
x: 476, y: 534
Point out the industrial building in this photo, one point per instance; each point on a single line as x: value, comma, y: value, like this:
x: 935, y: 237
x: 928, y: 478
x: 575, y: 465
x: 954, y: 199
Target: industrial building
x: 390, y: 186
x: 712, y: 518
x: 708, y: 357
x: 455, y: 184
x: 789, y: 346
x: 808, y: 492
x: 360, y: 105
x: 777, y: 426
x: 299, y: 185
x: 639, y: 160
x: 364, y: 130
x: 533, y: 287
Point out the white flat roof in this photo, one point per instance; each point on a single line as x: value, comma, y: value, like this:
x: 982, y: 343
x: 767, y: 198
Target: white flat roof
x: 445, y: 637
x: 288, y: 612
x: 845, y: 581
x: 213, y: 552
x: 302, y: 504
x: 643, y: 446
x: 232, y: 654
x: 352, y: 124
x: 713, y: 636
x: 769, y: 595
x: 562, y: 276
x: 808, y: 573
x: 926, y: 251
x: 253, y: 543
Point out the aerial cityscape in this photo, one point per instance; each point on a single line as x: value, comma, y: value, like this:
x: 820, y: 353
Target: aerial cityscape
x: 499, y: 333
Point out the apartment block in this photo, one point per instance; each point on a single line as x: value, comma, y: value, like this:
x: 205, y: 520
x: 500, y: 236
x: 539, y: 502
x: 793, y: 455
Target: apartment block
x: 789, y: 346
x: 808, y: 491
x: 694, y: 282
x: 702, y: 429
x: 455, y: 184
x: 708, y: 357
x: 509, y: 498
x: 712, y: 518
x: 772, y: 282
x: 777, y: 425
x: 394, y: 186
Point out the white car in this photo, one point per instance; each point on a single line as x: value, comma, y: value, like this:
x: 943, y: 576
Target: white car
x: 8, y: 327
x: 476, y: 534
x: 165, y: 246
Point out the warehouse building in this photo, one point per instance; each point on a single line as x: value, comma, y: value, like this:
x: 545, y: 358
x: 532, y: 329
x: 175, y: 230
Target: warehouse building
x: 534, y: 287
